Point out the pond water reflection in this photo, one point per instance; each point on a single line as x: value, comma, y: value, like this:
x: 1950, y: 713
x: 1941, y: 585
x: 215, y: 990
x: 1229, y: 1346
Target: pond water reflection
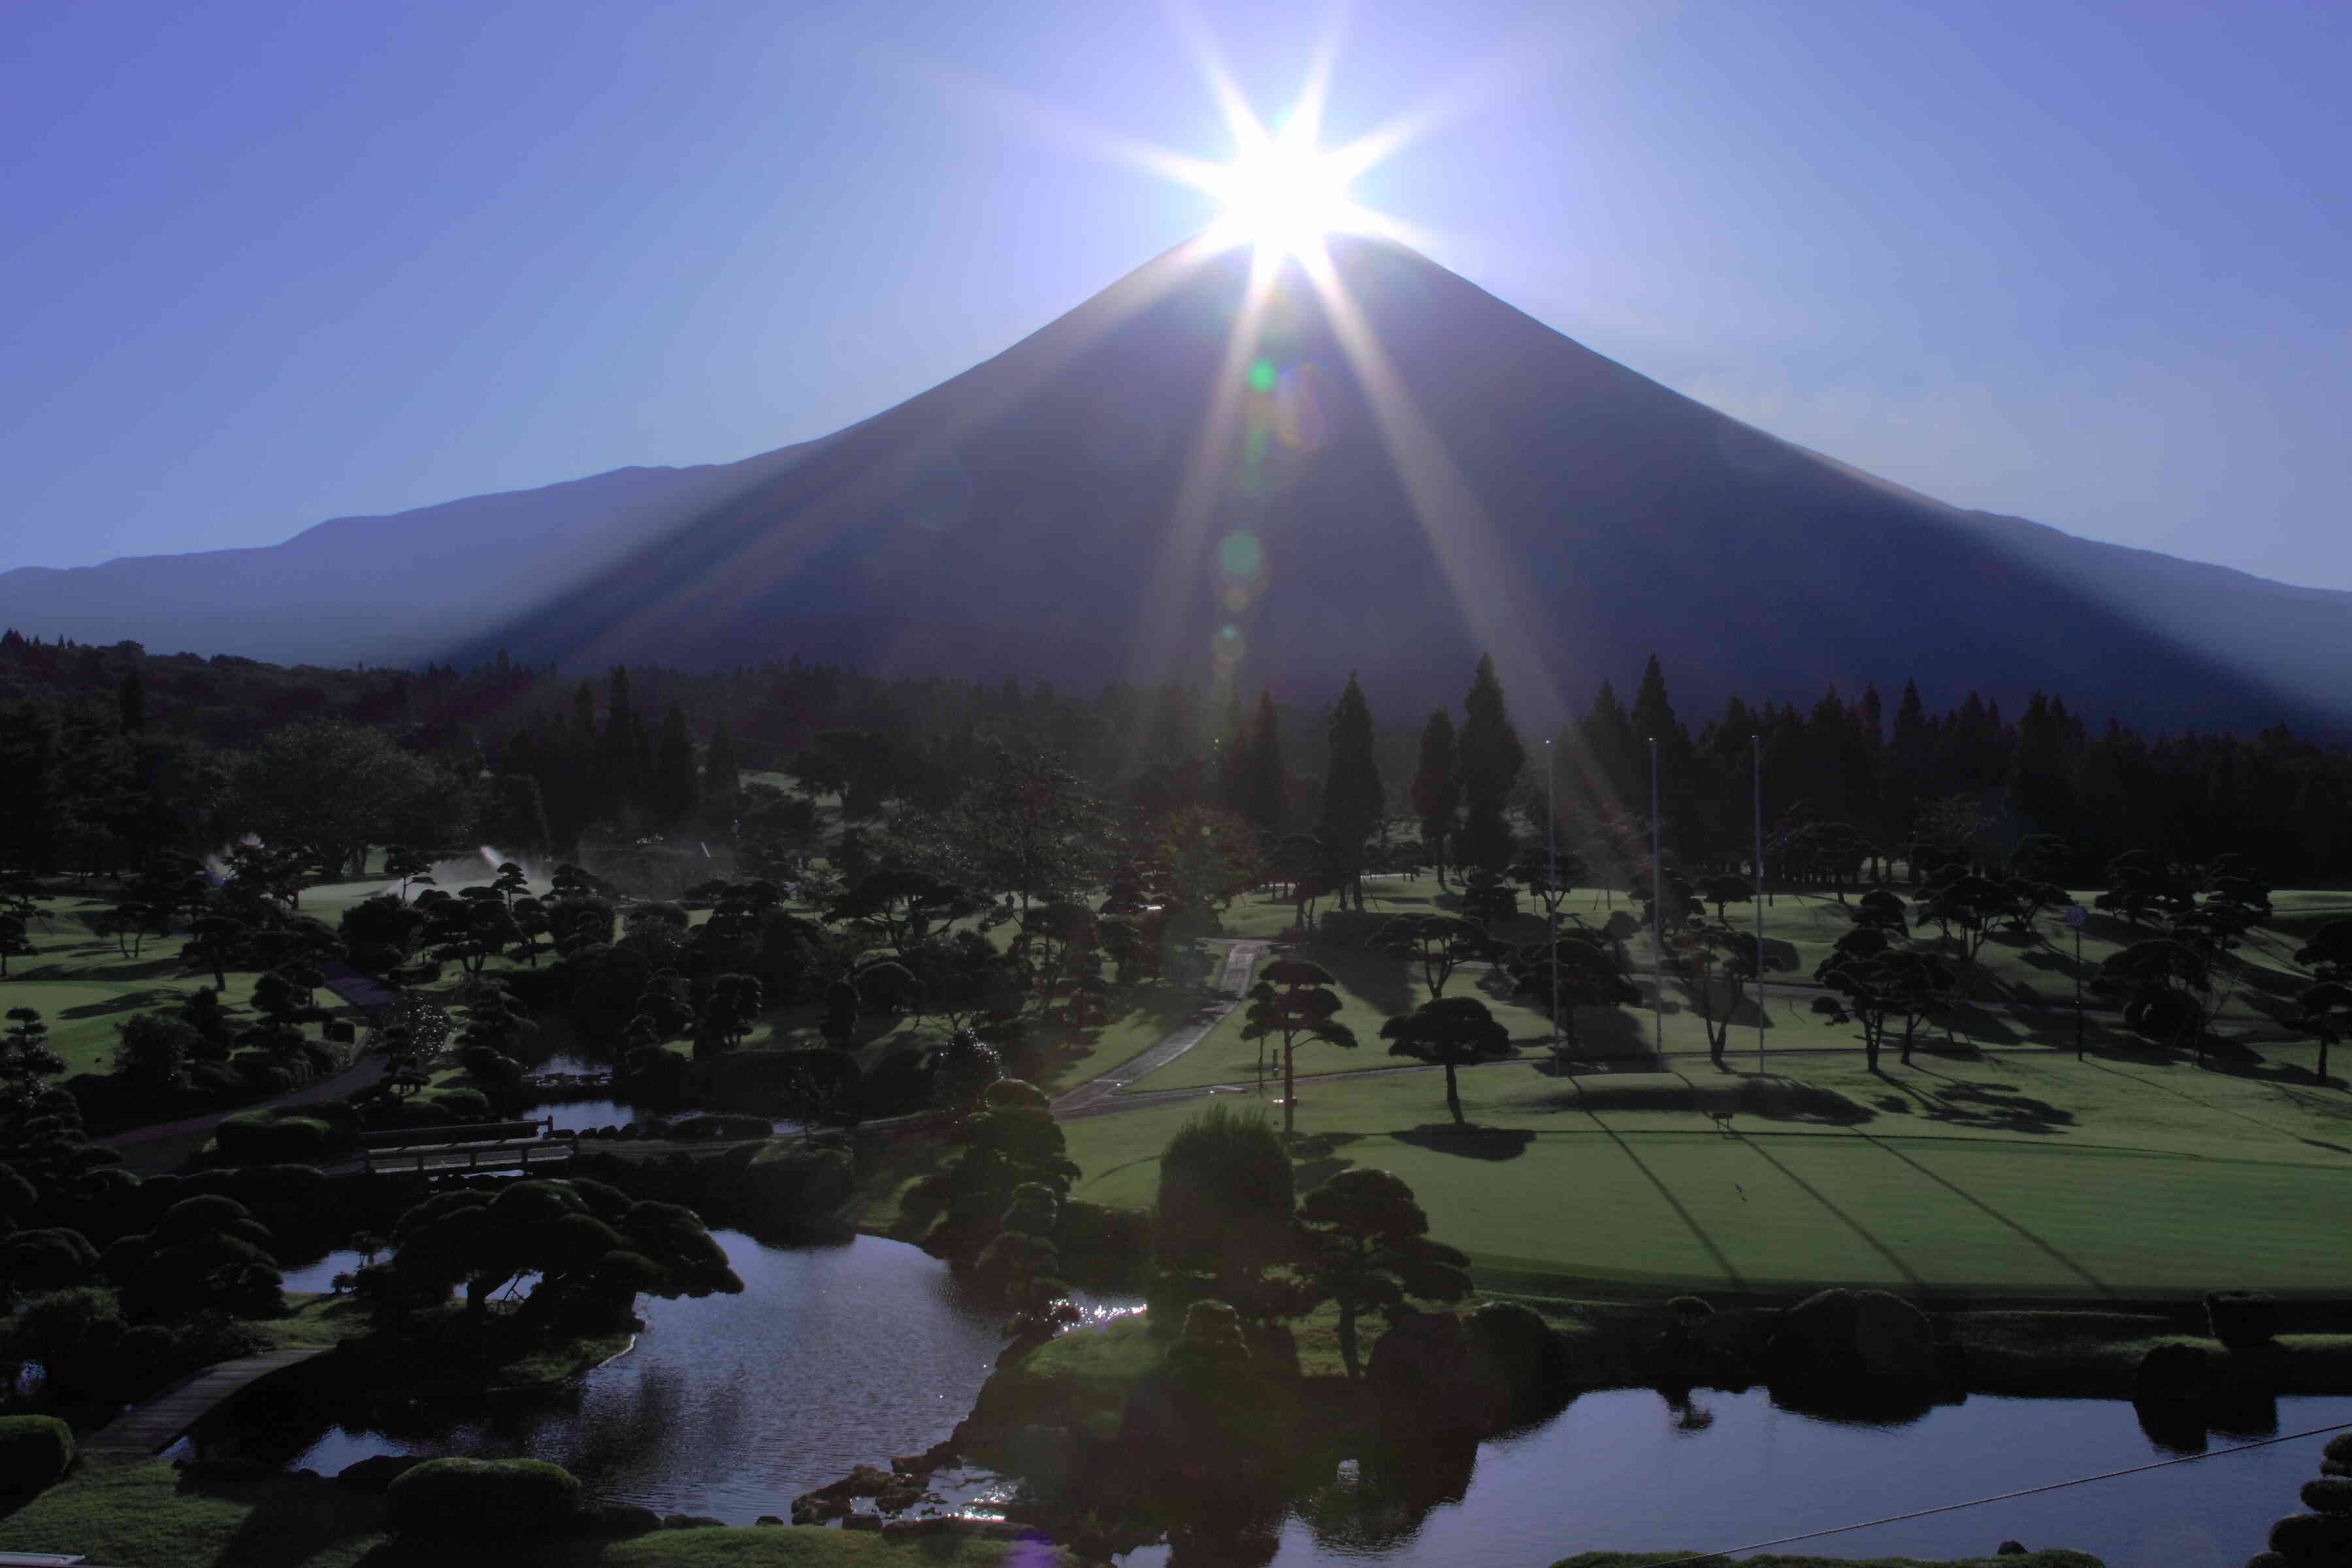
x: 840, y: 1355
x: 730, y: 1405
x: 1628, y: 1470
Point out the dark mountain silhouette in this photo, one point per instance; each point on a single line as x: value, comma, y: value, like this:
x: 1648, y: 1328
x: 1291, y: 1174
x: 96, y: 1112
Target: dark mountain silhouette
x: 1058, y: 513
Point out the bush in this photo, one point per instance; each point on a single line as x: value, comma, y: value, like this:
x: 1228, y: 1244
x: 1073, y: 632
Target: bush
x: 1514, y: 1355
x: 266, y: 1138
x: 461, y: 1104
x: 1226, y: 1191
x: 46, y: 1259
x: 2242, y: 1320
x: 2328, y: 1494
x: 36, y: 1451
x: 491, y: 1500
x: 2311, y: 1536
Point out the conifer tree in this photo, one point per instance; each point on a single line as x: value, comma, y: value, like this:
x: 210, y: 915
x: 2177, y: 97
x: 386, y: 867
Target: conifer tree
x: 722, y: 777
x: 1353, y: 803
x: 1264, y: 803
x: 1437, y: 788
x: 674, y: 788
x: 1491, y: 760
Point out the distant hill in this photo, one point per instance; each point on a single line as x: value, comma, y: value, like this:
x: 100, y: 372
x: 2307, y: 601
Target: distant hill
x: 1058, y: 512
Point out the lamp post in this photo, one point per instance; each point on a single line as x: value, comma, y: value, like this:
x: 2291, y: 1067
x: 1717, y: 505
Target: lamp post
x: 1756, y: 742
x: 1551, y: 875
x: 1657, y: 916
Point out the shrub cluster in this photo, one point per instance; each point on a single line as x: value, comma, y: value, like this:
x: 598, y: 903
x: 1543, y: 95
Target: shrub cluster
x: 36, y: 1451
x: 483, y: 1499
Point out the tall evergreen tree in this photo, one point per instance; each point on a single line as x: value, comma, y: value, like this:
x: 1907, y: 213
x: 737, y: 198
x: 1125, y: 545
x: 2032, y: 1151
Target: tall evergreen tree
x: 131, y: 703
x: 2041, y: 790
x: 722, y: 777
x: 1353, y: 803
x: 673, y: 788
x: 1264, y: 801
x: 620, y: 744
x: 1437, y: 788
x: 1492, y: 758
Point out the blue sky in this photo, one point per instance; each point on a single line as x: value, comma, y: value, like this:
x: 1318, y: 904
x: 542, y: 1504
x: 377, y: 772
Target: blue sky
x: 272, y: 263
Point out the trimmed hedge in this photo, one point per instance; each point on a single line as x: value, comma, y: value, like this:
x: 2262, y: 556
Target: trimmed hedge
x: 36, y: 1451
x: 489, y: 1500
x: 2242, y: 1320
x: 265, y: 1138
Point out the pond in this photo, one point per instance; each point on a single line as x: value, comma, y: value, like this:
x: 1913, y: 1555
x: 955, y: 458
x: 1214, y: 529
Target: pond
x: 1627, y: 1470
x: 842, y: 1355
x: 730, y: 1405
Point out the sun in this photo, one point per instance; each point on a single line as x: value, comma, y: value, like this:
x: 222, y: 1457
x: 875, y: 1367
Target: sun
x: 1281, y: 193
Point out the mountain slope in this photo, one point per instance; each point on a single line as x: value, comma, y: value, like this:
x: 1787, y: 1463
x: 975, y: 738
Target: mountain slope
x: 1090, y: 505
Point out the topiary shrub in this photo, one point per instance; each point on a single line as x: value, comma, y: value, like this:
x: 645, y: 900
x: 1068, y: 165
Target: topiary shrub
x: 1514, y: 1353
x: 265, y: 1138
x: 2312, y: 1537
x: 2328, y: 1494
x: 460, y: 1104
x: 34, y: 1260
x: 2242, y: 1320
x: 483, y: 1499
x: 36, y: 1451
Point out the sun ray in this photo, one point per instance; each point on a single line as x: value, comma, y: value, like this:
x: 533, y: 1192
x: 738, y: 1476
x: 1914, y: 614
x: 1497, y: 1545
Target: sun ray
x: 1492, y: 598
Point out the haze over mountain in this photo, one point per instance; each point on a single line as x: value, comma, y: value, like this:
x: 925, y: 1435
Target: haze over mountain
x: 1123, y: 494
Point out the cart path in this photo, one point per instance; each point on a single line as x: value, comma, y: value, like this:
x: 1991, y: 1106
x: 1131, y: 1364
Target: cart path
x: 1098, y: 1094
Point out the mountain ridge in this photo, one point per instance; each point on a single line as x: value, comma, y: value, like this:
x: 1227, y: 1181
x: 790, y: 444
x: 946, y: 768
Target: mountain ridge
x: 1064, y: 501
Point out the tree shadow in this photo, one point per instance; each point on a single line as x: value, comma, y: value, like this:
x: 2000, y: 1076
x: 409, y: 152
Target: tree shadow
x: 1470, y: 1143
x: 128, y: 1002
x: 1380, y: 979
x: 1997, y: 1106
x: 1613, y: 1036
x: 295, y: 1519
x: 1981, y: 1025
x: 1314, y: 1157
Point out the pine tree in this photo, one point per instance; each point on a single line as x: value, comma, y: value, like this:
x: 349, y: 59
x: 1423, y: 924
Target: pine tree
x: 1353, y: 803
x: 1263, y: 801
x: 131, y: 703
x: 673, y: 789
x: 1437, y: 788
x: 2041, y: 792
x: 618, y: 746
x: 1492, y: 758
x: 722, y: 778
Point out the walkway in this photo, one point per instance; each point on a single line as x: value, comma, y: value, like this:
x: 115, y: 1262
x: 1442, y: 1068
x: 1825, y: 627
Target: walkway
x: 166, y: 1145
x: 1090, y: 1097
x: 154, y: 1426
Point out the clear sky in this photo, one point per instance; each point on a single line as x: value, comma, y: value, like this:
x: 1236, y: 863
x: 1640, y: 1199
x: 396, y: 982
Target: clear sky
x: 270, y: 261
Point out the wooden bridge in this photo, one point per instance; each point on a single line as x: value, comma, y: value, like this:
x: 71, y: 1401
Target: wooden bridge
x: 150, y: 1427
x: 466, y: 1146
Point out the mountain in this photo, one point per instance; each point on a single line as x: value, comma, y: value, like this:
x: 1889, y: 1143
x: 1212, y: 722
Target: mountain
x: 1139, y: 490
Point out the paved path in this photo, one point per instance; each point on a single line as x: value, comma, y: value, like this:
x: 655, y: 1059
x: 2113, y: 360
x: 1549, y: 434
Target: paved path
x: 154, y: 1426
x: 166, y: 1145
x: 1091, y: 1097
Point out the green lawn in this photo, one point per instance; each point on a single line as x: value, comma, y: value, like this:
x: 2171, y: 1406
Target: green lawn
x: 2013, y: 1173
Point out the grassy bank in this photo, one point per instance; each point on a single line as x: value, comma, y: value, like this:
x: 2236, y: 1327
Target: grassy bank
x: 2055, y: 1558
x: 144, y: 1512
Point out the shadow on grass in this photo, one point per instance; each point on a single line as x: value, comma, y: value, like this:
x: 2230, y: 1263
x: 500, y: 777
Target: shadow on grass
x: 1314, y: 1157
x: 128, y: 1002
x: 2061, y: 1258
x: 1383, y: 982
x: 294, y: 1519
x: 1997, y: 1106
x: 1768, y: 1098
x: 1469, y: 1142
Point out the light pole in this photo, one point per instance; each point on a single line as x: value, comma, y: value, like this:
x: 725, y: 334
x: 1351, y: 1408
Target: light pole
x: 1657, y: 916
x: 1757, y: 741
x: 1551, y: 875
